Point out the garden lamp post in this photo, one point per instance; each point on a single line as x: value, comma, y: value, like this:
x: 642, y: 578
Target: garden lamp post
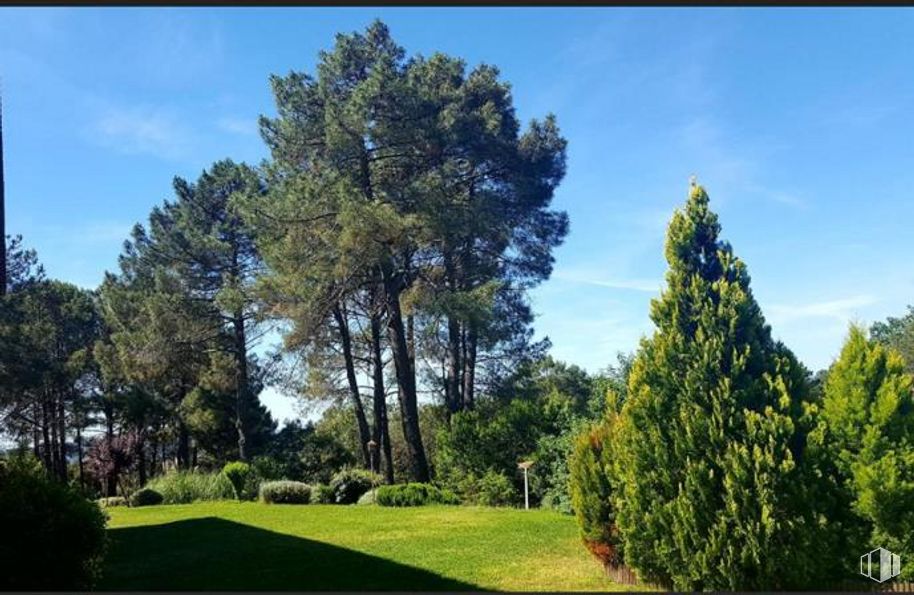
x: 372, y: 445
x: 526, y: 465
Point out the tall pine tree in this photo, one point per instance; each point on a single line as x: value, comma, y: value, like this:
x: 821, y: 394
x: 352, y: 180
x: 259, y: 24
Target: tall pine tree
x: 710, y: 437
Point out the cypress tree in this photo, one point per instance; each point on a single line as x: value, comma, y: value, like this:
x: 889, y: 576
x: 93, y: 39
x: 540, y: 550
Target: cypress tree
x: 711, y: 435
x: 867, y: 428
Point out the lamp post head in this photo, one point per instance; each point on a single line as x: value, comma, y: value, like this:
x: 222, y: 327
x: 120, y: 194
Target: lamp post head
x: 525, y: 465
x: 372, y: 444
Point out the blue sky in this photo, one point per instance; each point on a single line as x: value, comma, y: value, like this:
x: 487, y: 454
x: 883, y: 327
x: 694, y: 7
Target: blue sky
x: 797, y: 121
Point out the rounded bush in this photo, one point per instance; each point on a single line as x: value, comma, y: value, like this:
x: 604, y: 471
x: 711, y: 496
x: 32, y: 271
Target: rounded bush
x: 285, y: 492
x: 244, y: 479
x: 348, y: 485
x: 52, y: 539
x: 492, y: 489
x: 322, y: 494
x: 368, y: 498
x: 413, y: 494
x: 145, y: 497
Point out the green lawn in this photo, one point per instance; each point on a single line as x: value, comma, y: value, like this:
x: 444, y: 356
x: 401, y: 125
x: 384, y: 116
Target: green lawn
x: 253, y: 546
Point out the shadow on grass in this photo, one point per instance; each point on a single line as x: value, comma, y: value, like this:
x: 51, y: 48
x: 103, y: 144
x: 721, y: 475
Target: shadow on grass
x: 217, y: 555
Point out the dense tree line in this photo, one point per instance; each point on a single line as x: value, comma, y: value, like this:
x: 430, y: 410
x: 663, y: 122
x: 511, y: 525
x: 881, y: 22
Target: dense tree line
x: 390, y: 238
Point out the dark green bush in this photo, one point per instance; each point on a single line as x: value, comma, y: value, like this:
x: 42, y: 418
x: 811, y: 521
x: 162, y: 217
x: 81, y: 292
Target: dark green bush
x: 184, y: 487
x: 492, y: 489
x: 145, y: 497
x: 322, y: 494
x: 285, y: 492
x: 245, y: 481
x: 348, y: 485
x: 413, y: 494
x: 52, y: 537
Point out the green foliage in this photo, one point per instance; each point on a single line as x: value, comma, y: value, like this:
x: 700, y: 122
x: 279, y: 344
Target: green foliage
x: 285, y: 492
x: 53, y: 538
x: 244, y: 478
x: 146, y: 497
x: 348, y: 485
x: 322, y: 494
x: 414, y: 494
x: 867, y: 430
x: 184, y: 487
x: 489, y: 489
x: 714, y: 490
x: 112, y: 501
x: 322, y: 455
x: 592, y: 494
x: 898, y: 333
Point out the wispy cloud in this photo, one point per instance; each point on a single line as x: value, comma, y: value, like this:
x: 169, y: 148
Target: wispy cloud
x: 843, y: 309
x: 142, y: 129
x: 645, y: 285
x: 237, y: 125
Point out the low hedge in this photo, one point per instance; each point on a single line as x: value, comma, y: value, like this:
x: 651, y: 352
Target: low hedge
x: 285, y: 492
x: 413, y: 494
x: 146, y: 497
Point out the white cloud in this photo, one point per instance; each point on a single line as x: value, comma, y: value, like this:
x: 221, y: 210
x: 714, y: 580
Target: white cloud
x: 142, y: 129
x: 646, y: 285
x: 840, y: 309
x: 236, y: 125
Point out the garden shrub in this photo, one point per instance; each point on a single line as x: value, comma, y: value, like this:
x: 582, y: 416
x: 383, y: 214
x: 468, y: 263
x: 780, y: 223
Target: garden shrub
x: 53, y: 538
x: 591, y: 493
x: 285, y: 492
x: 244, y: 478
x: 145, y: 497
x: 322, y: 494
x: 112, y: 501
x: 369, y: 497
x: 492, y: 489
x: 414, y: 494
x: 348, y: 485
x: 184, y: 487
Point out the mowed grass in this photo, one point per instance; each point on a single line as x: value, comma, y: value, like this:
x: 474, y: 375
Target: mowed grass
x: 254, y: 546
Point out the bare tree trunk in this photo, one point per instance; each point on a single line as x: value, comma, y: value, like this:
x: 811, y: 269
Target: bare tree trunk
x: 62, y: 433
x: 183, y: 453
x: 406, y: 379
x: 48, y: 463
x: 79, y: 455
x: 381, y: 427
x: 469, y: 371
x: 364, y: 432
x: 241, y: 383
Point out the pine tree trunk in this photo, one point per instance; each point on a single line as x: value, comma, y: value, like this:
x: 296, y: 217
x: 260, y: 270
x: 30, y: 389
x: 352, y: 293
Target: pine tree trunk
x: 381, y: 434
x: 406, y: 379
x: 469, y: 371
x: 241, y: 383
x: 79, y: 456
x: 62, y: 432
x: 183, y: 453
x: 364, y: 433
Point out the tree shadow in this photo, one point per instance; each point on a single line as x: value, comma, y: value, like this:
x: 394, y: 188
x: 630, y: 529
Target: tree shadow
x: 212, y: 554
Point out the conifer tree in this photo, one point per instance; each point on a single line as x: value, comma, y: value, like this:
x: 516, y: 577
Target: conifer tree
x: 710, y: 436
x: 867, y: 426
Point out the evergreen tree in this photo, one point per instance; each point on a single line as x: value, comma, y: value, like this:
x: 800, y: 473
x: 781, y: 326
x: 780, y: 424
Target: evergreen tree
x: 867, y: 427
x: 710, y: 436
